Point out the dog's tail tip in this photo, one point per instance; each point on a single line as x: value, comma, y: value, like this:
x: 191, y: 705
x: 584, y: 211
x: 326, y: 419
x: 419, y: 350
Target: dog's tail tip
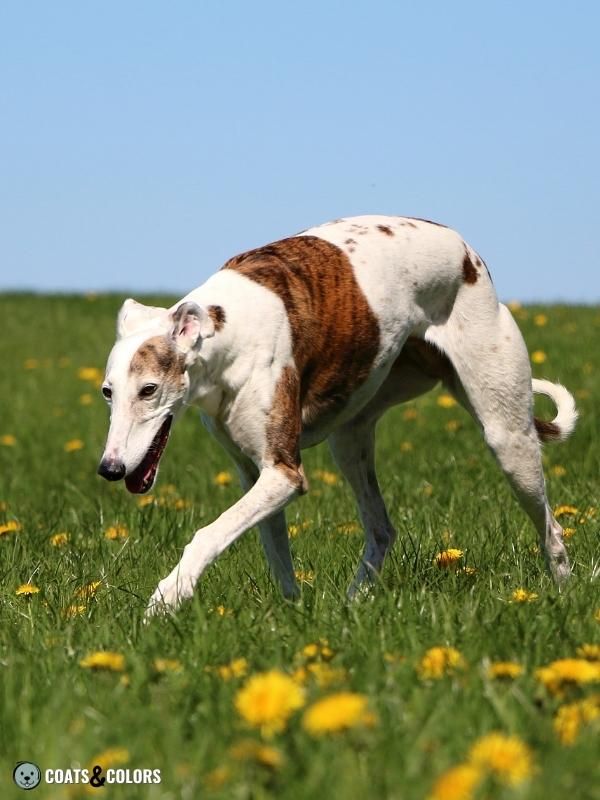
x: 563, y: 425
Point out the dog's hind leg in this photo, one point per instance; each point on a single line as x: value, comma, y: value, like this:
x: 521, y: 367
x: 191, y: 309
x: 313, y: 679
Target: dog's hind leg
x: 353, y: 448
x: 493, y: 381
x: 274, y: 537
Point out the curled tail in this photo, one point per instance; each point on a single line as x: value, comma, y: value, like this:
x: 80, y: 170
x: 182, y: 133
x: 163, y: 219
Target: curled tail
x: 563, y: 424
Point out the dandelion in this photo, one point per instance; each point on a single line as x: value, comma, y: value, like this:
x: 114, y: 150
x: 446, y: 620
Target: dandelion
x: 104, y: 659
x: 8, y: 440
x: 406, y: 447
x: 440, y: 661
x: 263, y: 754
x: 504, y: 670
x: 74, y: 611
x: 27, y: 590
x: 73, y: 445
x: 338, y: 712
x: 317, y: 650
x: 90, y: 374
x: 235, y: 669
x: 523, y: 596
x: 268, y: 699
x: 410, y: 415
x: 217, y: 777
x: 558, y: 471
x: 323, y: 675
x: 167, y: 665
x: 221, y: 611
x: 86, y: 399
x: 591, y: 652
x: 31, y: 363
x: 508, y: 758
x: 59, y: 539
x: 540, y: 320
x: 446, y: 401
x: 88, y: 591
x: 452, y: 426
x: 468, y: 571
x: 562, y: 511
x: 538, y: 357
x: 295, y: 528
x: 457, y: 783
x: 514, y: 306
x: 570, y: 718
x: 348, y: 527
x: 328, y: 478
x: 223, y: 478
x: 448, y: 559
x: 12, y: 526
x: 568, y: 672
x: 568, y: 532
x: 111, y: 757
x: 116, y: 532
x: 305, y: 576
x: 145, y: 500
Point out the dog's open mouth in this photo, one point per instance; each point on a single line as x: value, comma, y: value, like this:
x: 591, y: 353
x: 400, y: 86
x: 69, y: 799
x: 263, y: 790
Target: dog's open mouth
x: 142, y: 477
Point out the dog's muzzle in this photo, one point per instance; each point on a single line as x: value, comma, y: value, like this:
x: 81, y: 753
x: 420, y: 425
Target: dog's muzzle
x: 111, y: 470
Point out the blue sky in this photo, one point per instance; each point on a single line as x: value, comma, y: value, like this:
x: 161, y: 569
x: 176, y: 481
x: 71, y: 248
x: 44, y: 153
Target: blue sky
x: 143, y: 143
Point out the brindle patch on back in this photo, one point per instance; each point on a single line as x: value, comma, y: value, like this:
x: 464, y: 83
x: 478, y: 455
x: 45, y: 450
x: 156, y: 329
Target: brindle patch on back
x: 335, y: 335
x: 158, y: 356
x: 470, y: 273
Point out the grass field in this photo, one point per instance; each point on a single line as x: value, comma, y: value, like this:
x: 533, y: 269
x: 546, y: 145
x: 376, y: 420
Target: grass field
x: 443, y: 491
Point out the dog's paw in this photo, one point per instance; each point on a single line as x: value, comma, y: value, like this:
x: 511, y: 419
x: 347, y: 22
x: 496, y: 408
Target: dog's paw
x: 169, y: 595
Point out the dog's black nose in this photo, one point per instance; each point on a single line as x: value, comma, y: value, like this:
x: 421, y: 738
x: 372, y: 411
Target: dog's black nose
x: 111, y: 470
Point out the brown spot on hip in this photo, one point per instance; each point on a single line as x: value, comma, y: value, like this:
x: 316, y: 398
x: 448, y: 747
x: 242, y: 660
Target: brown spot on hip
x: 158, y: 356
x: 385, y: 229
x: 335, y: 335
x: 470, y: 273
x: 217, y: 314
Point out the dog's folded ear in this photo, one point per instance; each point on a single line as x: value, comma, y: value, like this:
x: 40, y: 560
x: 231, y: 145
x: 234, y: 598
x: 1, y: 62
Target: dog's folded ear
x: 134, y: 317
x: 191, y: 324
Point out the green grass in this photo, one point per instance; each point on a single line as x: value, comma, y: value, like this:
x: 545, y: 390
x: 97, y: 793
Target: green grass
x: 445, y: 491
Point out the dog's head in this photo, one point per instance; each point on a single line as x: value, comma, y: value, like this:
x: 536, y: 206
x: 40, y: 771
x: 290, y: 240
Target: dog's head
x: 27, y: 775
x: 146, y: 385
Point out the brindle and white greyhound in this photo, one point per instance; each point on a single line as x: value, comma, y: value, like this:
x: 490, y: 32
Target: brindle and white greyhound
x: 311, y: 338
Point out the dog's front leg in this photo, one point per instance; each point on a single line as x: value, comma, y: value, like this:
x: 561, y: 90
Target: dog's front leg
x: 272, y: 491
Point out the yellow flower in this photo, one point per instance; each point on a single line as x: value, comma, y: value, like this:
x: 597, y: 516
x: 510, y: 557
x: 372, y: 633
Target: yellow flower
x: 12, y: 526
x: 217, y: 777
x: 8, y: 440
x: 263, y: 754
x: 469, y: 571
x: 104, y: 659
x: 569, y: 718
x: 294, y: 529
x: 145, y: 500
x: 31, y: 363
x: 558, y: 471
x: 440, y: 661
x: 348, y: 527
x: 591, y: 652
x: 540, y: 320
x: 561, y: 511
x: 90, y: 374
x: 74, y: 611
x: 304, y: 576
x: 504, y: 669
x: 406, y: 447
x: 523, y: 596
x: 597, y: 615
x: 27, y: 589
x: 167, y: 665
x: 452, y: 425
x: 457, y: 783
x: 86, y: 399
x: 222, y: 611
x: 328, y: 478
x: 446, y: 401
x: 59, y: 539
x: 410, y: 414
x: 324, y: 675
x: 337, y: 712
x: 507, y: 757
x: 236, y: 668
x: 568, y: 672
x: 73, y: 445
x: 116, y: 532
x: 538, y: 357
x: 223, y: 478
x: 448, y: 559
x: 88, y: 591
x: 568, y: 532
x: 111, y: 757
x: 317, y: 650
x: 268, y: 699
x: 514, y: 305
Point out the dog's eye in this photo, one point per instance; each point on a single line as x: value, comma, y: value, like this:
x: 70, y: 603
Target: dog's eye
x: 107, y: 392
x: 148, y: 390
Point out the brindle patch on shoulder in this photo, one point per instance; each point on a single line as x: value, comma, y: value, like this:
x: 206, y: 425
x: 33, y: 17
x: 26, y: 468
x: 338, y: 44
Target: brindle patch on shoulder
x: 335, y: 335
x: 218, y: 316
x: 158, y: 356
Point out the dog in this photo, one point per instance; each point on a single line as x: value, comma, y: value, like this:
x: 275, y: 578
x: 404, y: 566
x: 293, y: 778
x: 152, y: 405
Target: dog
x: 313, y: 337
